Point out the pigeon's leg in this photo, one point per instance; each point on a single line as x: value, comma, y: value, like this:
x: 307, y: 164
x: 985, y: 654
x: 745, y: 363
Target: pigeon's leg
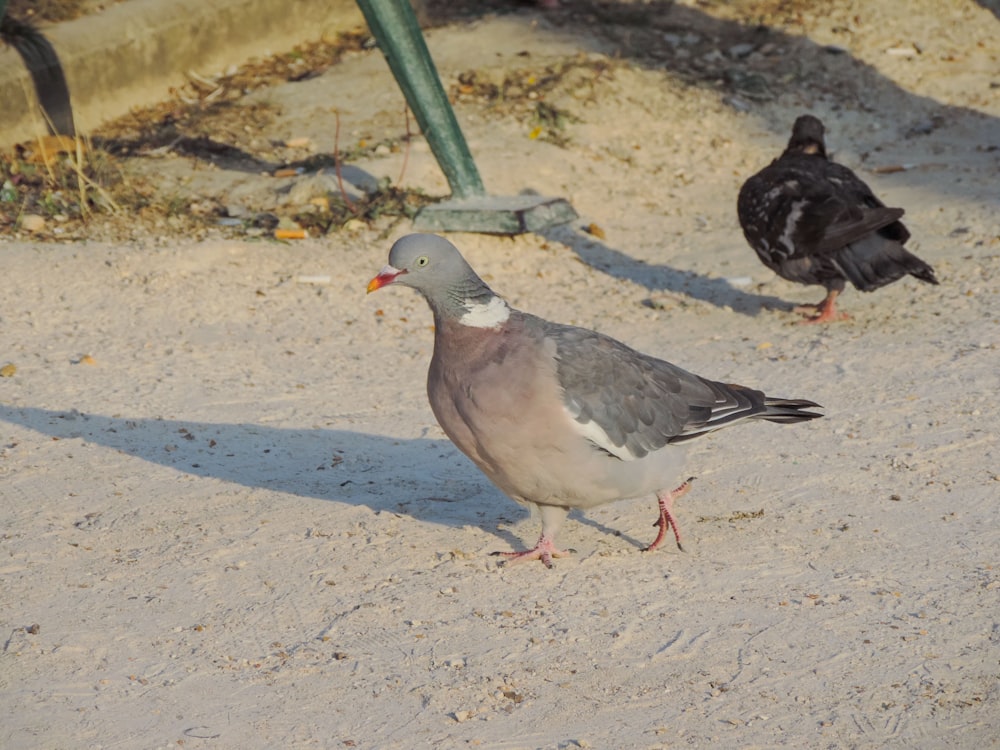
x: 545, y: 550
x: 825, y: 311
x: 666, y: 520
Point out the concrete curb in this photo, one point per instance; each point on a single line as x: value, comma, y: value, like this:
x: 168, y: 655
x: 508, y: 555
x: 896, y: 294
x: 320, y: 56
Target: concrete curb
x: 132, y: 54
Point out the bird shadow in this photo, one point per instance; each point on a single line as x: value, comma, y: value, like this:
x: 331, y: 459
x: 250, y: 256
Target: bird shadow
x: 661, y: 277
x: 338, y: 466
x: 604, y: 529
x: 341, y: 466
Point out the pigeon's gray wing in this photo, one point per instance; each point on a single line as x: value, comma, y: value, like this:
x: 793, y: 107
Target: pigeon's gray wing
x: 630, y: 404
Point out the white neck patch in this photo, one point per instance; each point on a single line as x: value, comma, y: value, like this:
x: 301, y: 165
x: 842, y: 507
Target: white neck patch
x: 489, y: 315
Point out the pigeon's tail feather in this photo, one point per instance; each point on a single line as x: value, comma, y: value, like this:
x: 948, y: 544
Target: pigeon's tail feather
x: 918, y: 269
x: 874, y: 261
x: 759, y: 406
x: 788, y: 410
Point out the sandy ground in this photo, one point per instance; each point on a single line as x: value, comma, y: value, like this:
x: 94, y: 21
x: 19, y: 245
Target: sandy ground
x: 229, y: 520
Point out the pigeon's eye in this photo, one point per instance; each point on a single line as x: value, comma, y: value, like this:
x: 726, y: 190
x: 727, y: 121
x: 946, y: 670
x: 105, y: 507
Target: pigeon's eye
x: 422, y: 261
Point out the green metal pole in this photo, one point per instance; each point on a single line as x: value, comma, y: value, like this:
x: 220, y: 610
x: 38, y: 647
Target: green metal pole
x: 398, y: 34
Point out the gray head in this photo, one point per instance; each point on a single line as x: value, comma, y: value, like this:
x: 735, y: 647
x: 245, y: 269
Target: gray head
x: 434, y: 267
x: 807, y: 136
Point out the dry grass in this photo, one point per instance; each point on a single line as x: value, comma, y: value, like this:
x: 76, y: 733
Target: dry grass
x: 526, y: 93
x: 63, y: 180
x: 69, y: 183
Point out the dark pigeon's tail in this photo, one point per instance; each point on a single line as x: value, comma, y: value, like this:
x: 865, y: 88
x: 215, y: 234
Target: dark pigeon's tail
x: 874, y: 261
x: 788, y: 410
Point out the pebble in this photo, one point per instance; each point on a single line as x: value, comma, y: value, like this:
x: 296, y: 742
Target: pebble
x: 312, y: 186
x: 738, y: 104
x: 740, y: 50
x: 33, y: 223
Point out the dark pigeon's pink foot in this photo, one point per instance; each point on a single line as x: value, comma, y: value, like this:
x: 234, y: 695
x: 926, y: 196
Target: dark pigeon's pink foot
x: 545, y: 550
x: 823, y: 312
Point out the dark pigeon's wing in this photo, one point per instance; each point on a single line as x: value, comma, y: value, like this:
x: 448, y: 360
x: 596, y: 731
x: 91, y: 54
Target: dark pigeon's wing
x: 804, y: 206
x: 863, y: 212
x: 771, y: 207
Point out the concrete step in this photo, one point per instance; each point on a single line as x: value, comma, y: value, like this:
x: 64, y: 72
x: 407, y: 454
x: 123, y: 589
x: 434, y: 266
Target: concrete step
x: 133, y: 53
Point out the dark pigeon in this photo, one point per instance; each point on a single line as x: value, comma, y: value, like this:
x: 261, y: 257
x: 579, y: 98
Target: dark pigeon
x: 560, y: 417
x: 813, y: 221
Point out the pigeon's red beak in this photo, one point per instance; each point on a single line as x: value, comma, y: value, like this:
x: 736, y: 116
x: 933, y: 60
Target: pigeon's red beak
x: 386, y: 276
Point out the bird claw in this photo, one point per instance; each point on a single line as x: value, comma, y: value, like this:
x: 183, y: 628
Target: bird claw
x: 544, y: 551
x: 666, y: 519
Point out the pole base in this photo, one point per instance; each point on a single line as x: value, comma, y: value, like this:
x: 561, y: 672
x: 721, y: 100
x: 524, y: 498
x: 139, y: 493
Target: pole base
x: 490, y: 214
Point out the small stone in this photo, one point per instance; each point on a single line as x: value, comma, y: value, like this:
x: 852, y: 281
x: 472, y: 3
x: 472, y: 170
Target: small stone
x: 33, y: 223
x: 740, y: 50
x: 312, y: 186
x: 737, y: 103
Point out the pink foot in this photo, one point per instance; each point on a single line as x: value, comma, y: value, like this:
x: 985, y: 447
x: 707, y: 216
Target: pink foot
x: 666, y: 520
x: 820, y: 315
x: 824, y: 312
x: 545, y: 550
